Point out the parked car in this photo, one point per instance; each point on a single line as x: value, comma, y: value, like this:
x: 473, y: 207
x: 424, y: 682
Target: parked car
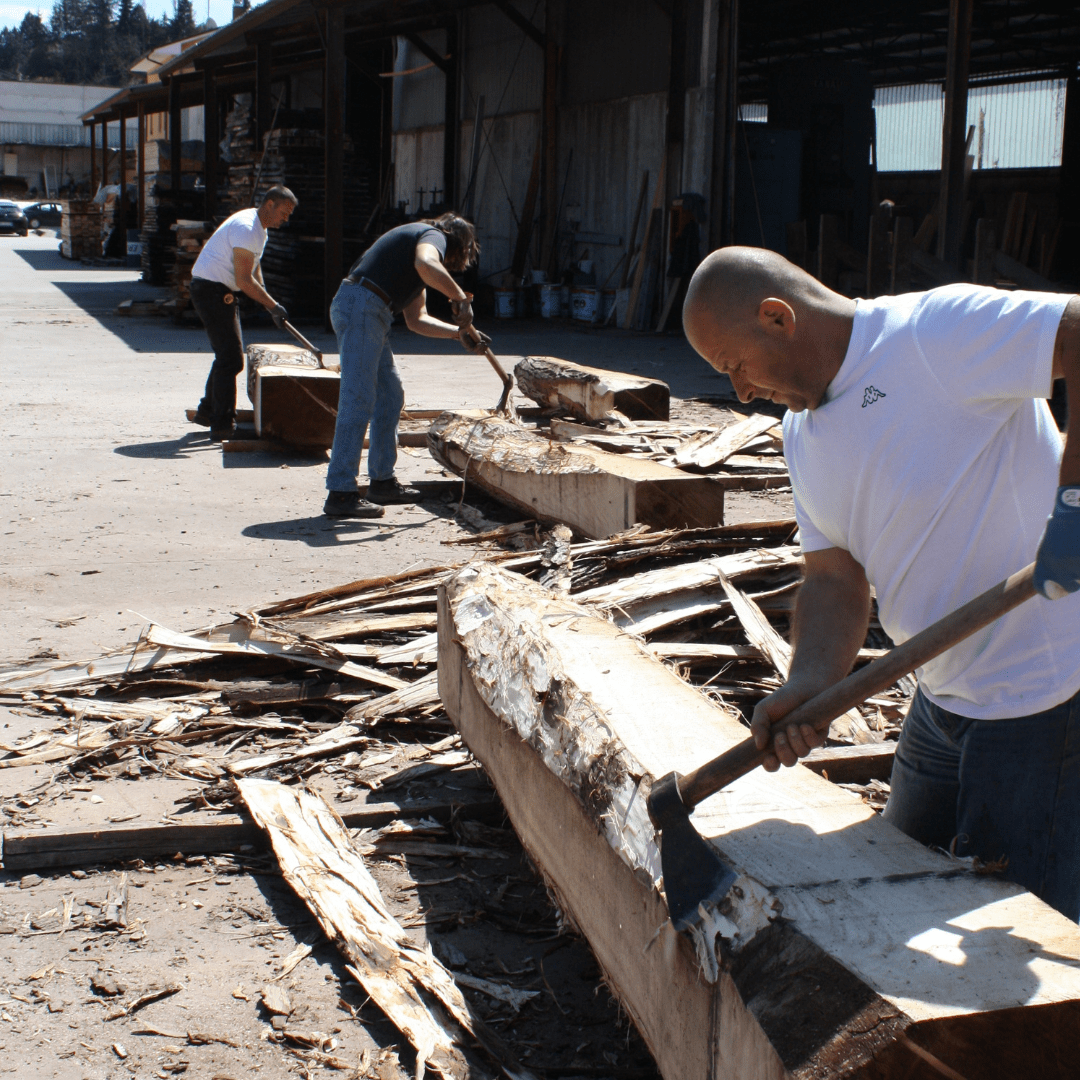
x: 44, y: 213
x: 12, y: 219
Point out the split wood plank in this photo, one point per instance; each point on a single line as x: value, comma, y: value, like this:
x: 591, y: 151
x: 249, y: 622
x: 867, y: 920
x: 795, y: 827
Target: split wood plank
x: 596, y: 493
x: 160, y: 636
x: 853, y: 764
x: 707, y: 651
x: 201, y: 833
x: 591, y: 393
x: 414, y: 696
x: 715, y: 447
x: 894, y: 943
x: 761, y: 633
x: 405, y: 980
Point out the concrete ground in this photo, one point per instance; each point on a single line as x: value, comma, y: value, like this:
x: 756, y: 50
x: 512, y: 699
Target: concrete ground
x: 115, y: 510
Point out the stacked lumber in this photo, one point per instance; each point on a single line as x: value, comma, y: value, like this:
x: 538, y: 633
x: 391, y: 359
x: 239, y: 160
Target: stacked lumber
x: 163, y: 208
x: 238, y: 153
x: 596, y: 493
x: 591, y: 393
x: 845, y: 949
x: 80, y: 229
x: 294, y: 256
x: 189, y: 238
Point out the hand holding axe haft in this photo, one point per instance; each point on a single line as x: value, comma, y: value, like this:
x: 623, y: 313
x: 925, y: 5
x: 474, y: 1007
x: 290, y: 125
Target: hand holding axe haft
x: 694, y: 873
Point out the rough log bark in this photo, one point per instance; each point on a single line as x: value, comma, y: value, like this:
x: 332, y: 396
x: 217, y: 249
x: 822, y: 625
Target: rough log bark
x: 597, y: 494
x: 591, y: 393
x: 852, y: 952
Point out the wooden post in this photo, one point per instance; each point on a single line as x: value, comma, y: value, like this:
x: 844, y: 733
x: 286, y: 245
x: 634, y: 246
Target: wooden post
x: 553, y: 28
x: 93, y: 160
x: 984, y: 252
x: 140, y: 157
x: 878, y: 255
x: 954, y: 132
x: 123, y: 168
x: 174, y: 133
x: 334, y: 114
x: 725, y: 105
x: 676, y: 97
x: 900, y: 278
x: 263, y: 113
x: 828, y: 242
x: 451, y: 118
x: 212, y: 137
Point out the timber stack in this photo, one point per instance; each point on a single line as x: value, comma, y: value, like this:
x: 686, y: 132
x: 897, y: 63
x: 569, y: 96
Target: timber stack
x: 189, y: 239
x: 80, y: 229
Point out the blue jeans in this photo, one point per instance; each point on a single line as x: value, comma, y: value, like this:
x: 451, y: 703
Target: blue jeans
x: 371, y: 392
x: 1002, y: 788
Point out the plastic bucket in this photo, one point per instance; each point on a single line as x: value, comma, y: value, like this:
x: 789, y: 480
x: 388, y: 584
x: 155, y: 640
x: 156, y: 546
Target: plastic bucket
x: 505, y: 303
x: 549, y: 301
x: 585, y: 304
x: 607, y: 302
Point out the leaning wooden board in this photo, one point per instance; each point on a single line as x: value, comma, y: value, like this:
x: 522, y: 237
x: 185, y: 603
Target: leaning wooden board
x: 854, y: 951
x: 596, y: 493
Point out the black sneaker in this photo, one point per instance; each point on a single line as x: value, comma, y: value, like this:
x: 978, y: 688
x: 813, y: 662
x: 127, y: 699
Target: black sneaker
x: 348, y: 504
x: 202, y: 419
x: 390, y: 491
x: 220, y: 431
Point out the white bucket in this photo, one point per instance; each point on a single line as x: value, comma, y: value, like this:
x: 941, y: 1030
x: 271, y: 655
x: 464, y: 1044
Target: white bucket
x: 607, y: 302
x: 505, y: 303
x: 549, y: 301
x: 585, y: 305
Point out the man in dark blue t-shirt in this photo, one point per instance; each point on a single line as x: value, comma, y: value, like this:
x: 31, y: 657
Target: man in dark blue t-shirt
x: 393, y: 275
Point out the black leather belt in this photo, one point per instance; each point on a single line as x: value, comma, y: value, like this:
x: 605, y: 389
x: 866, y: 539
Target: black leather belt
x: 371, y: 287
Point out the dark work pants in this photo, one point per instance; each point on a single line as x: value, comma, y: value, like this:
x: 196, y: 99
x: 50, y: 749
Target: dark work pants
x: 222, y: 322
x: 999, y: 788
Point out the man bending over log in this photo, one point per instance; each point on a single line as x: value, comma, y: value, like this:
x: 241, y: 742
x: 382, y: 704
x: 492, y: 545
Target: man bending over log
x: 924, y: 462
x: 393, y: 275
x: 229, y: 264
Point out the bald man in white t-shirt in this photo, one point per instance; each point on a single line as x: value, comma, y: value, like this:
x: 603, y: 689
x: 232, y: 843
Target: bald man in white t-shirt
x: 924, y: 462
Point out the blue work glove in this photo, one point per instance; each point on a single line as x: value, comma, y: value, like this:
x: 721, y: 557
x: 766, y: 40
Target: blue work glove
x: 279, y: 315
x: 1057, y: 566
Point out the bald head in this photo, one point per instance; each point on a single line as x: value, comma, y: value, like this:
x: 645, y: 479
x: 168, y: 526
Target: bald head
x: 777, y: 332
x: 731, y: 283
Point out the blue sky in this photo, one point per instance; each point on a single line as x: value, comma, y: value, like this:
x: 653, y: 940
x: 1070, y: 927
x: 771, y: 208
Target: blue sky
x: 12, y: 11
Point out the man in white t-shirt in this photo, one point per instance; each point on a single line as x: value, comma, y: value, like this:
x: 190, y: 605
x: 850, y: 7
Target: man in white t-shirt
x: 229, y: 264
x: 924, y: 462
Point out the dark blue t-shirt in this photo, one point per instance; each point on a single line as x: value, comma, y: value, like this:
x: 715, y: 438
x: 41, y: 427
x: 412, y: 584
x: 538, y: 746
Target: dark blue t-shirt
x: 391, y: 261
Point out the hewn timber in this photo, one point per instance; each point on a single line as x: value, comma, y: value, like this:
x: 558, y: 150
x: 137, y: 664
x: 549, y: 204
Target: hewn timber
x: 591, y: 393
x: 596, y: 493
x: 295, y: 398
x: 850, y: 951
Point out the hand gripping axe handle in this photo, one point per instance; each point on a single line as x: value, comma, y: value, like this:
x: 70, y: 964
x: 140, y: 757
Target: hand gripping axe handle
x: 692, y: 868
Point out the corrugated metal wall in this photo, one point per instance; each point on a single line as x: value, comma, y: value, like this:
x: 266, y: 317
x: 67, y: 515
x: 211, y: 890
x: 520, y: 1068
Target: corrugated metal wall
x: 62, y: 134
x: 1017, y: 125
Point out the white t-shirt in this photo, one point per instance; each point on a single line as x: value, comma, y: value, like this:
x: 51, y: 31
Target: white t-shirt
x: 932, y: 461
x: 242, y: 230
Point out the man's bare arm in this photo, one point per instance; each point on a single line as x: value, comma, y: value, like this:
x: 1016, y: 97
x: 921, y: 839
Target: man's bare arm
x: 249, y: 278
x: 419, y: 321
x: 1067, y: 367
x: 832, y: 611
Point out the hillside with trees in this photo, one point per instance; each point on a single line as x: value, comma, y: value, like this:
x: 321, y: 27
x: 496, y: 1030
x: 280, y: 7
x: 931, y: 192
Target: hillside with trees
x: 91, y: 42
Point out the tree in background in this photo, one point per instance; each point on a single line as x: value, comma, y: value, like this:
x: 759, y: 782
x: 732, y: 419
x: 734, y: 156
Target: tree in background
x: 91, y: 42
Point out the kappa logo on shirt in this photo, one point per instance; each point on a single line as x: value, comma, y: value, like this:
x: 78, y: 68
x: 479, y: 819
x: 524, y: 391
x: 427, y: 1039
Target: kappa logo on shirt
x: 870, y: 395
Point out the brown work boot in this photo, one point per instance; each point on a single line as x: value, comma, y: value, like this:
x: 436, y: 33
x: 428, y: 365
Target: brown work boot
x: 348, y: 504
x: 390, y: 491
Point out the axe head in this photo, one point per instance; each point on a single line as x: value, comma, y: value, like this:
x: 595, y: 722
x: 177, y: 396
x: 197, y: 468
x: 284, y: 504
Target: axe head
x: 694, y: 873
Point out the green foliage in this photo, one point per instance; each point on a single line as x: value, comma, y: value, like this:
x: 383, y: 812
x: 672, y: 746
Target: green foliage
x: 90, y: 42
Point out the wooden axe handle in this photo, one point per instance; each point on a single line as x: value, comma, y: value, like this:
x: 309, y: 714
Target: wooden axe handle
x: 506, y: 378
x: 303, y: 341
x: 825, y: 707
